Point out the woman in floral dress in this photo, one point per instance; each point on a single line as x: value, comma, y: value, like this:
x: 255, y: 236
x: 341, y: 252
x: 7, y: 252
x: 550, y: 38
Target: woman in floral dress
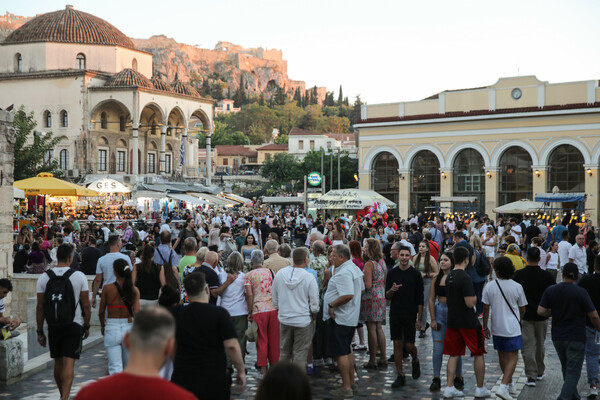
x: 372, y: 308
x: 261, y: 310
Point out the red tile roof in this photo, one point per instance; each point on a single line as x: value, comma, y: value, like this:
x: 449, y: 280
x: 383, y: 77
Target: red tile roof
x: 480, y: 112
x: 129, y: 78
x: 274, y: 147
x: 343, y: 137
x: 183, y: 88
x: 69, y: 26
x: 234, y: 150
x: 161, y: 85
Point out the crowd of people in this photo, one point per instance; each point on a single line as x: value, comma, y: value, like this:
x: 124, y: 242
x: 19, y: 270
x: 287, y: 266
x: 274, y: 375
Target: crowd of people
x: 304, y: 287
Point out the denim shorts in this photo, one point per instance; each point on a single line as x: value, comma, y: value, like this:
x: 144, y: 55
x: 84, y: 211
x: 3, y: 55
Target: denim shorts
x: 502, y: 343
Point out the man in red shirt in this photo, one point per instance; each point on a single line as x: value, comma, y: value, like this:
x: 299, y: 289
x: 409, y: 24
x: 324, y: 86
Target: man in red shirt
x: 150, y: 342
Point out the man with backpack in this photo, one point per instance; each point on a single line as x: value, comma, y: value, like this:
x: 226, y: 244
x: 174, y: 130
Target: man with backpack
x: 63, y: 302
x: 164, y: 255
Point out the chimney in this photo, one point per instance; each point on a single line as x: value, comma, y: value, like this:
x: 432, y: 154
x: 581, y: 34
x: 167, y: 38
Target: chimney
x: 68, y: 7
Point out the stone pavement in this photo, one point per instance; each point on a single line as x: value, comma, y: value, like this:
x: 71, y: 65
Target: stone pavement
x: 371, y: 384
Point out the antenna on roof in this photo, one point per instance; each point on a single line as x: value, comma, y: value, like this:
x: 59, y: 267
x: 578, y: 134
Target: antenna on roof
x: 518, y: 71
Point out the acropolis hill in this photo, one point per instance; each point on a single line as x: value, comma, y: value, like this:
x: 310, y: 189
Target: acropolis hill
x: 264, y: 70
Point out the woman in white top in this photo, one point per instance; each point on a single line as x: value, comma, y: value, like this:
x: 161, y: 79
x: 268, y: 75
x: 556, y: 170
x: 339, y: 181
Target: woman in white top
x: 233, y: 299
x: 255, y: 231
x: 489, y: 241
x: 552, y: 259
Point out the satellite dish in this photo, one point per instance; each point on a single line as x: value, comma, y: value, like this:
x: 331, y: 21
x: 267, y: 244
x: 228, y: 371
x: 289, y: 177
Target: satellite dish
x: 555, y: 189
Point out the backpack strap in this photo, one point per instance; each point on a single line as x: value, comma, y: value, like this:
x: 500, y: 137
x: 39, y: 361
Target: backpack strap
x: 508, y: 304
x: 50, y: 273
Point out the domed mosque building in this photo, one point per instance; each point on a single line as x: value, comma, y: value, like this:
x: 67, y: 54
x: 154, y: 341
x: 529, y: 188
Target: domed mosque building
x: 87, y: 83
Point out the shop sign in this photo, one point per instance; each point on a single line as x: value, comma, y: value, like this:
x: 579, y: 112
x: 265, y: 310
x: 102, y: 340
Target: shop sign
x: 108, y: 186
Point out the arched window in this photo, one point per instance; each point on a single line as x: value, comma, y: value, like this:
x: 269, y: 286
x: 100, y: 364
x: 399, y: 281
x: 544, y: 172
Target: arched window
x: 385, y: 178
x: 103, y: 120
x: 63, y: 160
x: 80, y: 61
x: 425, y: 181
x: 47, y: 119
x: 64, y: 119
x: 134, y: 65
x: 565, y: 169
x: 122, y: 123
x: 18, y: 63
x: 515, y: 176
x: 469, y: 176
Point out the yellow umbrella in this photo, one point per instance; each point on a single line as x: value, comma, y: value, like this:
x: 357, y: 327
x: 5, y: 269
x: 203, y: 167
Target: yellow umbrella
x: 46, y: 184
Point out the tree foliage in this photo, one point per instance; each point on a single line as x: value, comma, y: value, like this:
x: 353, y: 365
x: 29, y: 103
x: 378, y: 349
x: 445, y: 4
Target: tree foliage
x: 32, y: 150
x: 281, y: 169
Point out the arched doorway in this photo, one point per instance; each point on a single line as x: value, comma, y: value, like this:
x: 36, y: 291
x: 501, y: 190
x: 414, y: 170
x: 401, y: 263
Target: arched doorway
x: 469, y: 176
x: 565, y: 169
x: 515, y: 176
x: 425, y: 178
x: 385, y: 178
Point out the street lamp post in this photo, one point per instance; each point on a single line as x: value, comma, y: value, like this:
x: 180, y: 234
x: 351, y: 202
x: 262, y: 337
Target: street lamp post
x: 208, y: 159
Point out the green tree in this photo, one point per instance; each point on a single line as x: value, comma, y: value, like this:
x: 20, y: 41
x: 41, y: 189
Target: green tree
x: 340, y: 99
x: 333, y: 124
x: 31, y: 149
x: 281, y: 169
x: 223, y: 134
x: 261, y: 100
x: 348, y: 167
x: 310, y: 120
x: 356, y: 110
x: 240, y: 94
x: 298, y: 97
x: 314, y: 96
x: 280, y: 96
x: 282, y: 139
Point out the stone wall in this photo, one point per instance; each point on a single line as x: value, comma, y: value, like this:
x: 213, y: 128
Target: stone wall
x: 7, y: 135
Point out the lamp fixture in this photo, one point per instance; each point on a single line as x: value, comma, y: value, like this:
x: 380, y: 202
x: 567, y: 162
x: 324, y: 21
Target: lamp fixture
x: 489, y: 174
x: 401, y: 176
x: 444, y: 175
x: 589, y: 171
x: 537, y: 173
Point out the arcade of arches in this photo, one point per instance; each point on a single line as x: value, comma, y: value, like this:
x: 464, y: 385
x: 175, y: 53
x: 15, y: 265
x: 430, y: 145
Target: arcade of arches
x: 517, y: 176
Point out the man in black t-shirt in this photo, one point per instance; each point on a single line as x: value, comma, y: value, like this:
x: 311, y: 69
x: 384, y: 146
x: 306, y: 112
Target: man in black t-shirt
x: 464, y: 328
x: 203, y: 333
x: 568, y: 325
x: 591, y: 283
x: 89, y: 258
x: 404, y: 287
x: 530, y: 232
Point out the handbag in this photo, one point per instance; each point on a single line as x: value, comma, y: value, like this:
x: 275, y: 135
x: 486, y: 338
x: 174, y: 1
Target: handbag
x: 509, y: 306
x: 252, y: 332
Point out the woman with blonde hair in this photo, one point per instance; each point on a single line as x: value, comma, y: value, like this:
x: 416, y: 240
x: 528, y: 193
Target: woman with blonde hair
x: 489, y: 241
x: 428, y: 267
x: 233, y: 299
x: 372, y: 306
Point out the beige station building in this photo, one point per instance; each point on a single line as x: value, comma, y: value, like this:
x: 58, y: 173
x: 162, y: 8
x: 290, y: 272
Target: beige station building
x: 511, y: 140
x: 87, y: 83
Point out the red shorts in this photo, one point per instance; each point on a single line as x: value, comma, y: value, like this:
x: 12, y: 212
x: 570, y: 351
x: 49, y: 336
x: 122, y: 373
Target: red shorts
x: 457, y: 338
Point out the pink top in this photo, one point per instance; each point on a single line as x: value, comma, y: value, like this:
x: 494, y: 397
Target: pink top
x: 261, y: 281
x: 358, y: 263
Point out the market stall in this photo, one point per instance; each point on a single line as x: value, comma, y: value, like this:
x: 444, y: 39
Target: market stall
x: 112, y: 203
x: 351, y: 199
x: 520, y: 207
x: 57, y: 195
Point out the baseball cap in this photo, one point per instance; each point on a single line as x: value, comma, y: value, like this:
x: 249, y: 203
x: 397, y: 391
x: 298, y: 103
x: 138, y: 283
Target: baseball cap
x: 570, y: 271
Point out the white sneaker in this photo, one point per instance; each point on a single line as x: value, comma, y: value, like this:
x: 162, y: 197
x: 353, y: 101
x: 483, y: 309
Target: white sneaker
x: 593, y: 391
x: 482, y: 392
x: 541, y: 377
x: 502, y: 392
x: 452, y: 392
x: 512, y: 388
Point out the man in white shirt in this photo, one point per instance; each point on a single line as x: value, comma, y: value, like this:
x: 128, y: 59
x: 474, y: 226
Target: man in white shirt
x: 166, y: 226
x: 216, y: 220
x: 296, y: 297
x: 515, y: 231
x: 105, y: 231
x: 406, y: 243
x: 227, y: 220
x: 577, y: 255
x: 65, y: 340
x: 563, y: 249
x: 507, y: 301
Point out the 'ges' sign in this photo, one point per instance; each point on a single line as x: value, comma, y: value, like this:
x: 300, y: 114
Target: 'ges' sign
x: 314, y: 179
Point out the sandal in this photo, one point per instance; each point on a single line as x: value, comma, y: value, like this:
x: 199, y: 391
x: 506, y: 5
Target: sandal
x: 382, y: 364
x: 370, y: 365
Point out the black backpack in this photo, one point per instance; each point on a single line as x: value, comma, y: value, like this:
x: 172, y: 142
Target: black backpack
x: 59, y: 299
x: 482, y: 264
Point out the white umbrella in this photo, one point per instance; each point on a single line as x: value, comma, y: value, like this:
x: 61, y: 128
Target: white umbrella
x: 18, y: 193
x: 351, y: 199
x: 519, y: 207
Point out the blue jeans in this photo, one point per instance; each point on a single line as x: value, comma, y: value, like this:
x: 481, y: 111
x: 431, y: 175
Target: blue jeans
x: 441, y: 317
x: 114, y: 331
x: 571, y: 355
x: 592, y: 352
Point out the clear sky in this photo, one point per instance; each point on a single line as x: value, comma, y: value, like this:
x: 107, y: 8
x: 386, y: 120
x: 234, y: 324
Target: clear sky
x: 386, y: 51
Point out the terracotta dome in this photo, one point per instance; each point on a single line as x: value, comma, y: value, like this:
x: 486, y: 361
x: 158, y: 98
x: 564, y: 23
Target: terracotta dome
x: 129, y: 78
x: 69, y: 26
x: 161, y: 85
x: 182, y: 88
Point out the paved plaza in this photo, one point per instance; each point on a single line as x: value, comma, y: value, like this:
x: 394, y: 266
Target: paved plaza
x: 93, y: 365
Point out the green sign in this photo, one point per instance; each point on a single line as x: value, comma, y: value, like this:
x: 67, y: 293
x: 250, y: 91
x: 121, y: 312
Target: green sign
x: 314, y: 179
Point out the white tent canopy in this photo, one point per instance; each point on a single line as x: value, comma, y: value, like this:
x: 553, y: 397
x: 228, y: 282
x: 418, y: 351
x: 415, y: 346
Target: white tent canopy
x: 108, y: 185
x: 351, y: 199
x: 519, y: 207
x: 18, y: 193
x: 187, y: 198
